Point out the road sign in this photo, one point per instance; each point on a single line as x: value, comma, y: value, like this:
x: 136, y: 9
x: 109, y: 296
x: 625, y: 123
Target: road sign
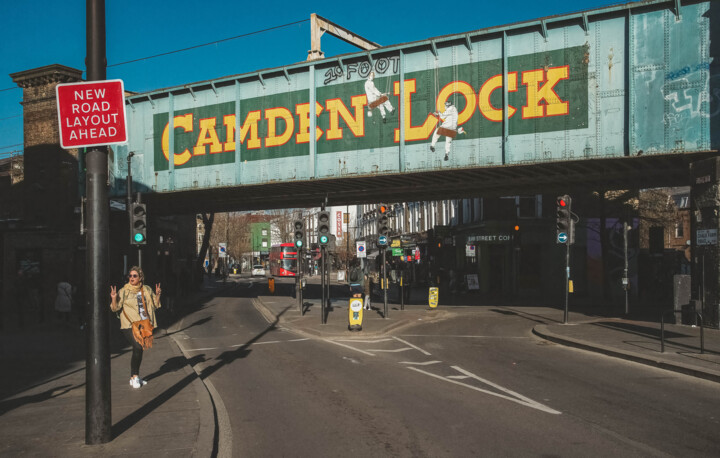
x: 562, y: 237
x: 222, y: 250
x: 382, y: 240
x: 91, y: 113
x: 361, y: 253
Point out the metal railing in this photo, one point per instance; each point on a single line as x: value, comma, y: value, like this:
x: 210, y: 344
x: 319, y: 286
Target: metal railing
x: 662, y: 329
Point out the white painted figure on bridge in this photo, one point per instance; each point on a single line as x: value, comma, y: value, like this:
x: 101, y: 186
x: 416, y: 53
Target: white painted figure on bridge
x: 376, y: 99
x: 447, y: 126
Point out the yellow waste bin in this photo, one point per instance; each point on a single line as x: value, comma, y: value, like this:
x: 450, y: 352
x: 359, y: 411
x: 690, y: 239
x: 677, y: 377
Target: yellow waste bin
x: 355, y: 314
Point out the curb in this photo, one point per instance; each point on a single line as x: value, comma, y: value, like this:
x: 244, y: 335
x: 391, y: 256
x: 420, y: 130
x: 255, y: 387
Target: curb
x: 542, y: 331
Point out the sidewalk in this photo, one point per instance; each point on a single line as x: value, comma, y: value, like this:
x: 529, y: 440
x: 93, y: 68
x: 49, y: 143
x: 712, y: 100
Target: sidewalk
x: 42, y: 395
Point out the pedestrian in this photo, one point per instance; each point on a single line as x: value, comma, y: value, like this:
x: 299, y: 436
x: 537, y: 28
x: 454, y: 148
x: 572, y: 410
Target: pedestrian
x: 64, y: 300
x: 367, y: 291
x: 137, y: 302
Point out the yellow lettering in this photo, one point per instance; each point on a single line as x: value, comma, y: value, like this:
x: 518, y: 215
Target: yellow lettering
x: 421, y: 132
x: 338, y: 109
x: 303, y: 112
x: 250, y: 126
x: 229, y: 123
x: 186, y: 123
x: 464, y: 89
x: 271, y: 114
x: 486, y: 108
x: 207, y: 136
x: 535, y: 94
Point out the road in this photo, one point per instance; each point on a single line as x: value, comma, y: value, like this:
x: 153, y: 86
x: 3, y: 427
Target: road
x: 479, y: 385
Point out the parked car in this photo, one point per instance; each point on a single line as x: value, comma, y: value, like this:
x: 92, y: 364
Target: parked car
x: 258, y: 271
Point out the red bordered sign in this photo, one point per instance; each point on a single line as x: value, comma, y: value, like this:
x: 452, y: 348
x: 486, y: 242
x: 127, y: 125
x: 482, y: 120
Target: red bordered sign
x: 91, y: 113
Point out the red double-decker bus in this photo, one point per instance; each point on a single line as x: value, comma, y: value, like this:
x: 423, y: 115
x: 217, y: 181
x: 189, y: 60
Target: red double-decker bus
x: 283, y: 260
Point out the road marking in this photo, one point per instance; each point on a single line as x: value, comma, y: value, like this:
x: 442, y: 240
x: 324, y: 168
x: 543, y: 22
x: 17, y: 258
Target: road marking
x: 202, y: 349
x: 348, y: 346
x: 271, y: 342
x: 413, y: 346
x: 363, y: 341
x: 426, y: 363
x: 519, y: 399
x: 397, y: 350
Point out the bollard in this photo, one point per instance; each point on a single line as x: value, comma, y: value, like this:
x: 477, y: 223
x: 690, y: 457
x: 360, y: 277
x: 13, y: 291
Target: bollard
x: 355, y: 314
x: 433, y: 297
x: 271, y: 285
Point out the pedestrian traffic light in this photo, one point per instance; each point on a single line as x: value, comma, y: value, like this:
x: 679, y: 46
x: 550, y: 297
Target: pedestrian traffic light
x: 138, y: 224
x: 382, y: 220
x: 565, y: 224
x: 323, y: 228
x: 299, y: 228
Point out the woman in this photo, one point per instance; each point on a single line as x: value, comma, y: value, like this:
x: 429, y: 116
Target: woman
x: 138, y: 302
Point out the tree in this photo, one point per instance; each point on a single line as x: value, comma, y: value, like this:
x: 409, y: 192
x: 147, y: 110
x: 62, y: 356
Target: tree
x: 207, y: 221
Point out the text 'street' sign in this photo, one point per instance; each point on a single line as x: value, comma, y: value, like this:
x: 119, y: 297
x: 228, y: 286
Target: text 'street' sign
x: 91, y: 113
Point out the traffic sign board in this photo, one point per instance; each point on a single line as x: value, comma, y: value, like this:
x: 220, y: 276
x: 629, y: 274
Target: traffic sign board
x: 361, y: 249
x: 91, y: 113
x: 382, y: 240
x: 562, y: 237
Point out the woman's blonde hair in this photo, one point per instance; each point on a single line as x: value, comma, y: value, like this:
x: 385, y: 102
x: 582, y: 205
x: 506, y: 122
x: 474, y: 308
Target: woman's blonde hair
x: 141, y: 274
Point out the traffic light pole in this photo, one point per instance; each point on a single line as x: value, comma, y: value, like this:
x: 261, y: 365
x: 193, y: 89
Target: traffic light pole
x: 139, y: 247
x: 323, y: 252
x: 567, y: 281
x: 384, y: 282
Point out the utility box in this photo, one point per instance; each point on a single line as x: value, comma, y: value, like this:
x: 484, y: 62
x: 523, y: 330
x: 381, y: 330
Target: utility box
x: 681, y: 298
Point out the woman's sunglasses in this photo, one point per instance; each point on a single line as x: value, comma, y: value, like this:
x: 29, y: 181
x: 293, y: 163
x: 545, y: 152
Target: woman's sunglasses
x: 133, y: 275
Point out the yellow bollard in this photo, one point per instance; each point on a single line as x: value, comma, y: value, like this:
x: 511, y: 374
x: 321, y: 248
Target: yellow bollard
x: 355, y: 314
x: 433, y: 297
x: 271, y: 285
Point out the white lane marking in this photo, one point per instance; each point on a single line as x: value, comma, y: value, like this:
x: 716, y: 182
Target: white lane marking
x: 494, y: 385
x: 397, y: 350
x: 348, y: 346
x: 272, y: 342
x: 202, y: 349
x: 466, y: 336
x: 363, y: 341
x: 426, y: 363
x: 458, y: 377
x: 413, y: 346
x: 522, y: 400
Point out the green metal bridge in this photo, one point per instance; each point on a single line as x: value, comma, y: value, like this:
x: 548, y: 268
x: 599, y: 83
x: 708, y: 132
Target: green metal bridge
x: 617, y: 97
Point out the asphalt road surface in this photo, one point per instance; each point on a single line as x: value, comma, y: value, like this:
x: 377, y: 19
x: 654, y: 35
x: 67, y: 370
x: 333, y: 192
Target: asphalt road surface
x: 480, y: 385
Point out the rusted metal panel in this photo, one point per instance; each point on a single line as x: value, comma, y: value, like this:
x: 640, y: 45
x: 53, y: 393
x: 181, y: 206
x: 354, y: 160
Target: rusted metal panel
x: 607, y: 83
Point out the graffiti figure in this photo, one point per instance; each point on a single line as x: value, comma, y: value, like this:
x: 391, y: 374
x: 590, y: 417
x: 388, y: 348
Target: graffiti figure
x: 447, y: 126
x: 376, y: 99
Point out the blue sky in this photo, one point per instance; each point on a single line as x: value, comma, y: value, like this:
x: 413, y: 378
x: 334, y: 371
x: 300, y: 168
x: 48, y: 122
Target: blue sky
x: 44, y: 32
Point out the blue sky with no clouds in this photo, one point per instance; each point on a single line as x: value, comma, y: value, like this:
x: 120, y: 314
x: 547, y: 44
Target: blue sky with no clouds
x: 44, y: 32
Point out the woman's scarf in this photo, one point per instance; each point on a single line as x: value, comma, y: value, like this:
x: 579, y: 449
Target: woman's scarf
x: 132, y: 289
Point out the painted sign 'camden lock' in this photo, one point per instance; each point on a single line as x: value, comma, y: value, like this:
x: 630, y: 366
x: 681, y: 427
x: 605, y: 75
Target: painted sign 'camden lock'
x: 546, y: 92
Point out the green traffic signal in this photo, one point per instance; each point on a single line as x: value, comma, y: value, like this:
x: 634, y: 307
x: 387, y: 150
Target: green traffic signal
x: 324, y: 239
x: 138, y: 237
x: 299, y: 243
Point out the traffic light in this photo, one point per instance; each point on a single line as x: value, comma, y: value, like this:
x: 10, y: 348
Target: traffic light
x: 565, y: 224
x: 323, y: 228
x: 138, y: 224
x: 299, y: 228
x: 382, y: 220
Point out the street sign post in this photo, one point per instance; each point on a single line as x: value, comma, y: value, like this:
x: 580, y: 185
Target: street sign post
x: 91, y: 113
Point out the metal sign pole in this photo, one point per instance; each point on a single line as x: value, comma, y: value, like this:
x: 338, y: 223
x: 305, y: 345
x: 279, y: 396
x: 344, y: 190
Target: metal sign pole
x: 98, y: 422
